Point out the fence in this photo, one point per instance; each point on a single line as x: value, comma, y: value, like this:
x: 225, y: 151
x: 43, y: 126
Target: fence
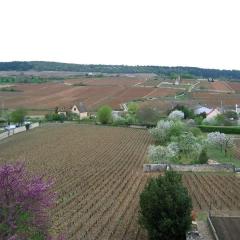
x: 17, y: 130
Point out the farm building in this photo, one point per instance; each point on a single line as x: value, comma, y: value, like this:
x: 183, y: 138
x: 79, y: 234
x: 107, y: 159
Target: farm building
x: 78, y: 109
x: 210, y: 112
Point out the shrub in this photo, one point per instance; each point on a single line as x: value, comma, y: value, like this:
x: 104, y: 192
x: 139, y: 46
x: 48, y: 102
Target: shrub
x: 198, y: 120
x: 119, y: 121
x: 203, y: 157
x: 220, y: 120
x: 231, y: 115
x: 24, y: 204
x: 130, y: 120
x: 18, y: 116
x: 147, y: 116
x: 195, y: 131
x: 133, y: 108
x: 104, y: 114
x: 165, y: 208
x: 55, y: 117
x: 177, y: 128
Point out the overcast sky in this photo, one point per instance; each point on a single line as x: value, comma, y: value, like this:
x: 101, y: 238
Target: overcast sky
x: 201, y: 33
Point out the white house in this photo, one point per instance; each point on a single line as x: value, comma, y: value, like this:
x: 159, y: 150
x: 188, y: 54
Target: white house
x: 80, y: 110
x: 210, y: 112
x: 213, y: 113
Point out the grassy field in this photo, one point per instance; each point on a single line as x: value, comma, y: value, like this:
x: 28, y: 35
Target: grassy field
x: 216, y: 154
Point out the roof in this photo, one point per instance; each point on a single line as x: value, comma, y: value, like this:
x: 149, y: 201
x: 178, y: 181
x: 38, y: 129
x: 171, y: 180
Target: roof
x: 64, y: 109
x: 81, y: 107
x: 202, y: 110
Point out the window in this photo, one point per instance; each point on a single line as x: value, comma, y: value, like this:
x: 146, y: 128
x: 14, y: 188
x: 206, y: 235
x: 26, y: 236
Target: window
x: 74, y: 109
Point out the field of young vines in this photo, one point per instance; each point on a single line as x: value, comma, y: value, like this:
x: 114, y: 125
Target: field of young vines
x: 213, y: 191
x: 98, y: 175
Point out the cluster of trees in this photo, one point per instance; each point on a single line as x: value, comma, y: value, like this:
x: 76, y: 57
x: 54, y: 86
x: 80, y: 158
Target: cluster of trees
x: 221, y: 140
x: 55, y: 117
x: 176, y: 141
x: 25, y: 201
x: 22, y: 79
x: 160, y: 70
x: 9, y: 89
x: 18, y: 116
x: 134, y: 115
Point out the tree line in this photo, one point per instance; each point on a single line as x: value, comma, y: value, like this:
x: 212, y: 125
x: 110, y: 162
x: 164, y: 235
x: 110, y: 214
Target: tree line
x: 116, y: 69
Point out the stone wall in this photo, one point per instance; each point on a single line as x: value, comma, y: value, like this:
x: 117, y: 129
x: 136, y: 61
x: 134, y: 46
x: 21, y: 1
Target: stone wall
x: 203, y: 168
x: 189, y: 168
x: 154, y: 167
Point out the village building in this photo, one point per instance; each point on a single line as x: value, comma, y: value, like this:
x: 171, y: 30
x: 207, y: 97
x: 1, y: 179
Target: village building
x: 78, y: 109
x: 210, y: 112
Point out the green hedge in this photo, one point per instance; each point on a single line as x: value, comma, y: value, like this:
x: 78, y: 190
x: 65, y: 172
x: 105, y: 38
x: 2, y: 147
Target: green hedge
x: 221, y: 129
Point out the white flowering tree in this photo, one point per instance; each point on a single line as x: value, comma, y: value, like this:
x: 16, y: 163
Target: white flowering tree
x: 225, y: 142
x: 161, y: 154
x: 189, y: 145
x: 161, y: 132
x: 176, y: 115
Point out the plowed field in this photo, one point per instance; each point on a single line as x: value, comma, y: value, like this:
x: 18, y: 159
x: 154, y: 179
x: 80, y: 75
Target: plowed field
x: 98, y: 176
x: 94, y: 92
x: 212, y: 191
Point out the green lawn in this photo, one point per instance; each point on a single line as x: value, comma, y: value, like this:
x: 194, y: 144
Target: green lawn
x: 215, y: 153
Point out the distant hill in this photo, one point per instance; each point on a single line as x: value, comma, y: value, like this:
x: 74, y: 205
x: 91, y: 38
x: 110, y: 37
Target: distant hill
x: 187, y: 72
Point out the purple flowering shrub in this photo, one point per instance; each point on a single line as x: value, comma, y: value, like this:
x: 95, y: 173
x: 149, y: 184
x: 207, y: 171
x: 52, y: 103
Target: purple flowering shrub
x: 24, y: 204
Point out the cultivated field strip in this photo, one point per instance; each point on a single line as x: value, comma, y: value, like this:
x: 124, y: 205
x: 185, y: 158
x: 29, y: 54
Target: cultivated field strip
x: 212, y: 191
x: 98, y: 175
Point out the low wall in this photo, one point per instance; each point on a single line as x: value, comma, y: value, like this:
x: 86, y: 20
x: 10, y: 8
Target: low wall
x: 154, y: 167
x: 189, y: 168
x: 203, y: 168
